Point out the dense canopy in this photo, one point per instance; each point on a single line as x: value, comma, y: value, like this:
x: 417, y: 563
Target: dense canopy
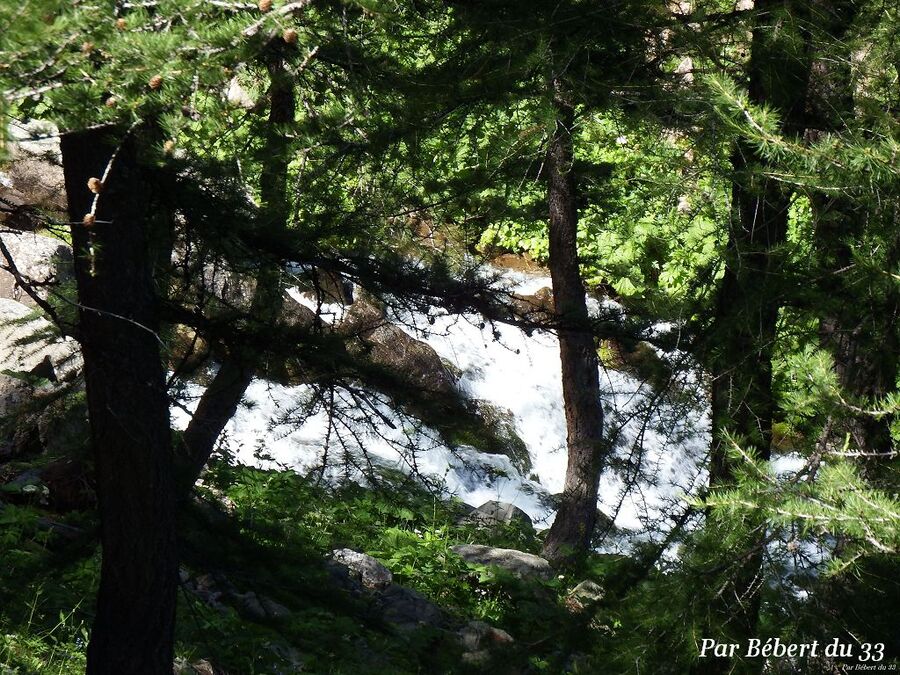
x: 473, y: 336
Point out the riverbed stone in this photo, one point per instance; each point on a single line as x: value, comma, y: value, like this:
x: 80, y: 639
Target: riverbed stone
x: 387, y: 345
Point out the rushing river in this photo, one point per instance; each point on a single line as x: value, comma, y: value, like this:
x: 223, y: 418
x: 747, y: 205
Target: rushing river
x: 660, y: 443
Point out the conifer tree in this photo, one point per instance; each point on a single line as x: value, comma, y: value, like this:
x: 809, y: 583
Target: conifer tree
x: 858, y: 326
x: 116, y: 81
x: 221, y: 398
x: 576, y: 516
x: 557, y: 64
x: 751, y: 292
x: 109, y: 205
x: 793, y: 137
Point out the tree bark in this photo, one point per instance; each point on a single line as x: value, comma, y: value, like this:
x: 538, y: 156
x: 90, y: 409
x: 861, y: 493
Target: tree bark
x: 223, y: 395
x: 857, y: 326
x: 133, y: 631
x: 751, y: 291
x: 747, y: 306
x: 748, y: 303
x: 571, y: 532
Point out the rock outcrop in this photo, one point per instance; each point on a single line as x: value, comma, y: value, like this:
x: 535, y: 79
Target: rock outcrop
x: 19, y: 350
x: 494, y: 513
x: 390, y: 347
x: 403, y: 608
x: 31, y: 368
x: 364, y: 568
x: 408, y: 610
x: 538, y: 306
x: 520, y: 564
x: 39, y: 259
x: 32, y: 177
x: 584, y: 595
x: 480, y: 641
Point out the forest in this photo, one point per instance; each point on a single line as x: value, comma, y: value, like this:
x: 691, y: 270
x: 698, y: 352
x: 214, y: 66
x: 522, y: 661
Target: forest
x: 464, y: 336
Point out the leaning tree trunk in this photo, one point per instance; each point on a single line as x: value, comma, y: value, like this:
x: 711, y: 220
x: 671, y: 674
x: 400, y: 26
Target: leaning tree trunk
x: 746, y: 313
x: 571, y: 532
x: 133, y: 631
x: 223, y: 395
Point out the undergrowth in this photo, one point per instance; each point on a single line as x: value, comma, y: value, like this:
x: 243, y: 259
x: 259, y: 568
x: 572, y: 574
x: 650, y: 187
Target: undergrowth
x: 268, y: 532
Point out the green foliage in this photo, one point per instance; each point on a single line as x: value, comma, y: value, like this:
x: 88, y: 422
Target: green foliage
x: 273, y: 543
x: 433, y: 118
x: 826, y: 500
x: 423, y: 560
x: 854, y: 162
x: 57, y: 649
x: 44, y: 591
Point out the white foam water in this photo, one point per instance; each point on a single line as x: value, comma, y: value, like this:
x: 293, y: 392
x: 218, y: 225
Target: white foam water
x: 660, y: 445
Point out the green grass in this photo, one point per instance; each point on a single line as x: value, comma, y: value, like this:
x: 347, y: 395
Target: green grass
x: 272, y: 541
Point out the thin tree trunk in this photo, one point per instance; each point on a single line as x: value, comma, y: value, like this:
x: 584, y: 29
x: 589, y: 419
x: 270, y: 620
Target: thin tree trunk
x: 133, y: 631
x: 223, y: 395
x: 571, y: 532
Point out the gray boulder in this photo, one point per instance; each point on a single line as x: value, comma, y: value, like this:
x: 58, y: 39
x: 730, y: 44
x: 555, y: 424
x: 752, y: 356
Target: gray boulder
x: 34, y: 170
x: 27, y: 484
x: 500, y: 435
x: 15, y: 211
x: 584, y: 595
x: 520, y: 564
x: 368, y: 571
x: 213, y: 278
x: 295, y: 315
x: 38, y: 258
x: 387, y: 345
x: 23, y: 349
x: 324, y: 285
x: 402, y: 607
x: 257, y: 607
x: 408, y: 610
x: 33, y: 365
x: 202, y: 667
x: 478, y: 635
x: 493, y: 513
x: 480, y: 640
x: 538, y: 306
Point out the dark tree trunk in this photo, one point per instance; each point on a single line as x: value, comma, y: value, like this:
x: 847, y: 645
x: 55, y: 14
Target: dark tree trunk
x: 742, y: 399
x: 747, y: 306
x: 748, y: 303
x: 571, y: 532
x: 223, y: 395
x: 133, y: 630
x: 751, y: 291
x: 858, y: 328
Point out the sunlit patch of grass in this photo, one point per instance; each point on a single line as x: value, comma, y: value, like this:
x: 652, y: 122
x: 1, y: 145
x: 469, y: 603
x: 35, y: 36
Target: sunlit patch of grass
x: 28, y: 647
